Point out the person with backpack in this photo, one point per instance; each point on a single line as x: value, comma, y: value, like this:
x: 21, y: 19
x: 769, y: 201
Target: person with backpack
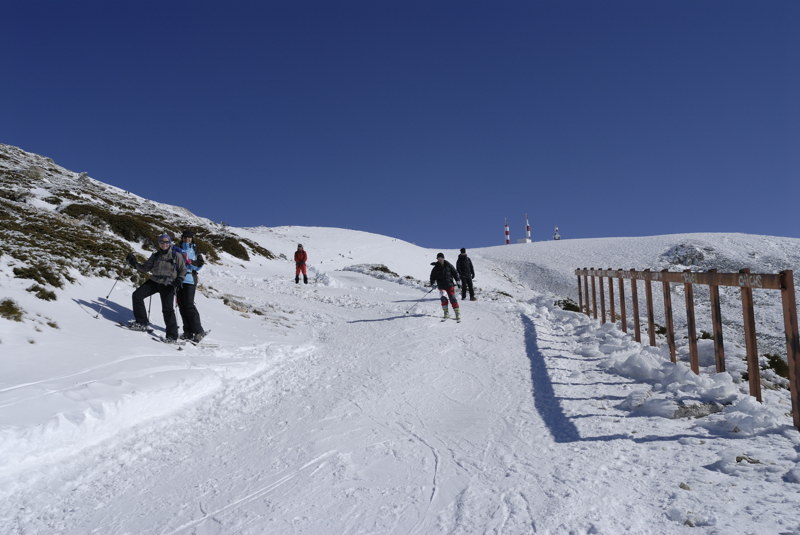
x: 467, y: 273
x: 192, y: 328
x: 442, y: 276
x: 167, y: 270
x: 300, y: 259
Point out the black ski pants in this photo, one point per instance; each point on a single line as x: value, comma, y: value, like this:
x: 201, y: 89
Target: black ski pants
x: 167, y: 293
x: 466, y: 285
x: 189, y: 314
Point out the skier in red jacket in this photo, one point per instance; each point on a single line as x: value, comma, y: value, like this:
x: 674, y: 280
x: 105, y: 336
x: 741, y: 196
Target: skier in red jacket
x: 300, y: 259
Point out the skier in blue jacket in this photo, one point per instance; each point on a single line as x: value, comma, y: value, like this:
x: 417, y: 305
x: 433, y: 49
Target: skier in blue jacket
x: 192, y: 328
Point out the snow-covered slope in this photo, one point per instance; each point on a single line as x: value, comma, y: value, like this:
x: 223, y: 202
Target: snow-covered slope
x: 347, y: 406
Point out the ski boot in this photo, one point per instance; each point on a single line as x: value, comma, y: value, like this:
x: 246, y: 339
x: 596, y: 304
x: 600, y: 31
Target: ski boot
x: 198, y: 336
x: 458, y: 315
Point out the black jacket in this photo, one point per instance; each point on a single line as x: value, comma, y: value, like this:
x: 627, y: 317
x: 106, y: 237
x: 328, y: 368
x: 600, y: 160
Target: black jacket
x: 464, y: 267
x: 443, y: 275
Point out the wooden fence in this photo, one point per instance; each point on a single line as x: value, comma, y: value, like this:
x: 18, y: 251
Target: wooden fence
x: 745, y: 280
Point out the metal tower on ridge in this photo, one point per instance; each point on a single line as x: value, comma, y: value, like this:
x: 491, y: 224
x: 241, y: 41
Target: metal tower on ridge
x: 527, y: 229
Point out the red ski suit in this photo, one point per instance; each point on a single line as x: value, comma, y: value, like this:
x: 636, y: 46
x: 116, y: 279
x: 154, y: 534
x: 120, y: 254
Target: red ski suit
x: 300, y: 258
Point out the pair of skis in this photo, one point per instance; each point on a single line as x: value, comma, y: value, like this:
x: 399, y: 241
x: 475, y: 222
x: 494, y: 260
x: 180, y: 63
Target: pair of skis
x: 179, y: 344
x: 182, y: 342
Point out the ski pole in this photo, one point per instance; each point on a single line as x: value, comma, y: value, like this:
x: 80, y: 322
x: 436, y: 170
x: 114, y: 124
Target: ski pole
x: 420, y: 300
x: 102, y: 306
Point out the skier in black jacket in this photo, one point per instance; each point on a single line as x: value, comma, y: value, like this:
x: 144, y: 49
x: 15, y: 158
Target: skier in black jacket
x: 467, y: 273
x: 442, y: 276
x: 167, y: 270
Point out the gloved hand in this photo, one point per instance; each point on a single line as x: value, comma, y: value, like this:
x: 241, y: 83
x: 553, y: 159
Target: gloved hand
x: 131, y: 259
x: 433, y: 284
x: 177, y: 283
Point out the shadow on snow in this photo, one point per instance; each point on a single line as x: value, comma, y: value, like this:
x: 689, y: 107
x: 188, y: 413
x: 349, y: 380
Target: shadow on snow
x: 391, y: 318
x: 548, y: 405
x: 544, y: 396
x: 110, y: 311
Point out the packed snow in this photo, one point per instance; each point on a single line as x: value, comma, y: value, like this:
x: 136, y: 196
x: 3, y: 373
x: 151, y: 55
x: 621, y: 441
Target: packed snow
x: 348, y: 406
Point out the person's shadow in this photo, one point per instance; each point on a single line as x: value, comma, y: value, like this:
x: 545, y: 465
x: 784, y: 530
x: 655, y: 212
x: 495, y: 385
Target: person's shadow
x: 108, y: 310
x: 391, y: 318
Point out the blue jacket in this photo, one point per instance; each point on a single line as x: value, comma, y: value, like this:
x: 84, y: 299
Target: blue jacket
x: 190, y: 255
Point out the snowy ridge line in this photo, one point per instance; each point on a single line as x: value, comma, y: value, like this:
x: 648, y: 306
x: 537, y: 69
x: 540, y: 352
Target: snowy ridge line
x: 69, y: 432
x: 75, y: 374
x: 743, y: 279
x: 100, y: 409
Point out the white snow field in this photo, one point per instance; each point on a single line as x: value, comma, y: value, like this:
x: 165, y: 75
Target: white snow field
x: 347, y: 407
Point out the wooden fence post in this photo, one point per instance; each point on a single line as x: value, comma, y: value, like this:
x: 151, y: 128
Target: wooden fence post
x: 716, y: 322
x: 753, y: 370
x: 602, y: 299
x: 688, y: 289
x: 673, y: 356
x: 586, y: 290
x: 792, y: 341
x: 623, y: 318
x: 580, y: 292
x: 612, y: 313
x: 637, y: 328
x: 594, y: 296
x: 648, y: 293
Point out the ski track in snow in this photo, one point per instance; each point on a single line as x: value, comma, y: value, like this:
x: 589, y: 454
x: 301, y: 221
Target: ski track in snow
x: 424, y: 427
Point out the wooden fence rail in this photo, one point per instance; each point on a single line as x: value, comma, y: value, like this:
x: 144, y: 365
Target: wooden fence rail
x: 745, y: 280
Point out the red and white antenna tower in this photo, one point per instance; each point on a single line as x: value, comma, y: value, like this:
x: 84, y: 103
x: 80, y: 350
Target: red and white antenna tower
x: 527, y: 229
x: 508, y: 233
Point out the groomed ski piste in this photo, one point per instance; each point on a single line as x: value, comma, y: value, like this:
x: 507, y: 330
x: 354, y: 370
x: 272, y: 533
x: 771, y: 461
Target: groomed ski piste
x: 346, y: 406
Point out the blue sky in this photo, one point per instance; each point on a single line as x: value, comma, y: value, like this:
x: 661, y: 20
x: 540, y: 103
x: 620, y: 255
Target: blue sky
x: 427, y: 121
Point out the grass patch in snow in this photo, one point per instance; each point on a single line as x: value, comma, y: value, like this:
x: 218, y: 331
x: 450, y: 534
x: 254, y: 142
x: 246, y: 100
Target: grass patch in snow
x: 384, y: 269
x: 42, y: 293
x: 10, y: 310
x: 777, y: 364
x: 568, y: 305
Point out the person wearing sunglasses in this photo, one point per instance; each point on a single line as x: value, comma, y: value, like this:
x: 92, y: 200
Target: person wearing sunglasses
x: 167, y: 270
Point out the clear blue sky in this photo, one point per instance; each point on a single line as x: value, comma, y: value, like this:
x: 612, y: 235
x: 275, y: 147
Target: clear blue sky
x: 430, y: 121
